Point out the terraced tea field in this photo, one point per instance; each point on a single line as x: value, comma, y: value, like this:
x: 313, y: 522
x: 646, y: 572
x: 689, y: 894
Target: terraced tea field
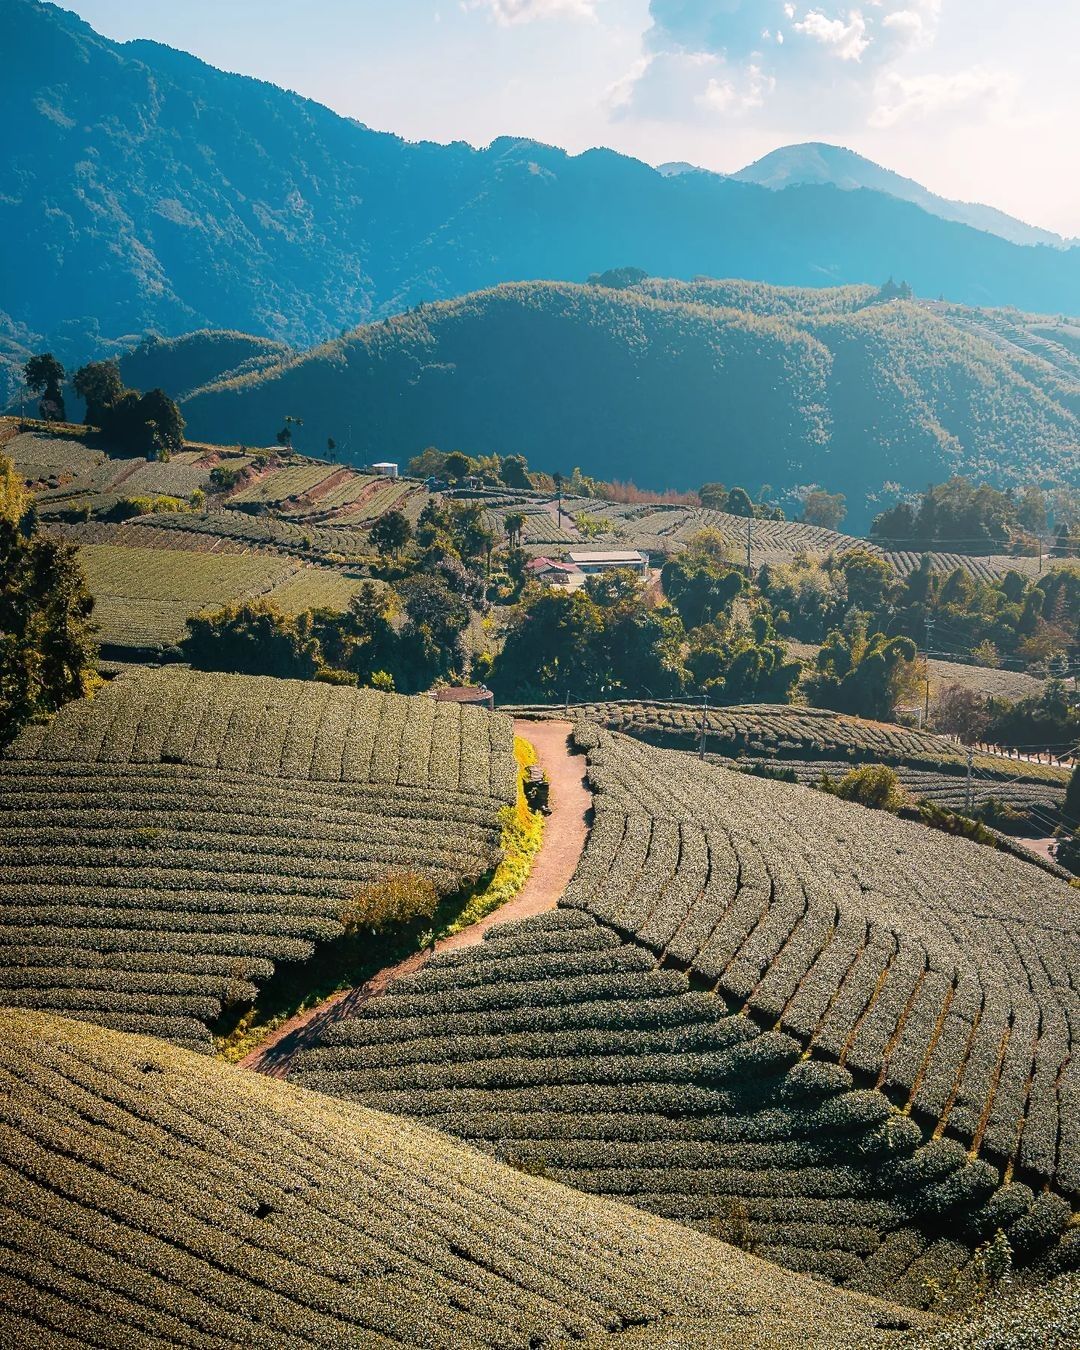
x: 664, y: 530
x: 145, y: 593
x: 164, y: 845
x: 151, y: 1197
x: 765, y: 1012
x: 558, y: 1045
x: 943, y: 971
x: 812, y: 741
x: 143, y: 597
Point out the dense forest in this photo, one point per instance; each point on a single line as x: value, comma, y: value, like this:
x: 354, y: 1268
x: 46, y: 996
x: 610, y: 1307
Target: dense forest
x: 831, y: 387
x: 141, y: 189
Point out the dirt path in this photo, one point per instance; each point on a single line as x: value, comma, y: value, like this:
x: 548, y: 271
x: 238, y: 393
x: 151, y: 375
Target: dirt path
x: 565, y: 833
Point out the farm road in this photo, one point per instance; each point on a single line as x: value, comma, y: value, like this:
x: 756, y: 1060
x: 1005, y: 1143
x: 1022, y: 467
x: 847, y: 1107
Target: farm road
x: 565, y: 833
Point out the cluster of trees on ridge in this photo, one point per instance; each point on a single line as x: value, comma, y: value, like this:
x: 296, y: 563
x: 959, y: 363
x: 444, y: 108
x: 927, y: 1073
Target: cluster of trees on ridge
x: 132, y: 422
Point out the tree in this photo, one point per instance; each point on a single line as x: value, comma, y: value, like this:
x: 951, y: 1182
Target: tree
x: 254, y: 638
x: 514, y: 472
x: 962, y: 712
x: 738, y: 503
x: 429, y: 463
x: 861, y: 674
x: 436, y: 618
x: 391, y: 533
x: 160, y: 424
x: 699, y: 588
x: 1031, y: 514
x: 457, y: 466
x: 100, y: 386
x: 44, y: 375
x: 514, y: 524
x: 826, y: 509
x: 364, y: 639
x: 331, y: 449
x: 618, y: 278
x: 284, y: 436
x: 868, y: 579
x: 713, y: 495
x: 875, y: 786
x: 46, y: 638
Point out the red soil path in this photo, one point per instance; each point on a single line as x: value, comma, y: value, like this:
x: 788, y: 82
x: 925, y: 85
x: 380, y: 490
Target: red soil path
x: 565, y: 833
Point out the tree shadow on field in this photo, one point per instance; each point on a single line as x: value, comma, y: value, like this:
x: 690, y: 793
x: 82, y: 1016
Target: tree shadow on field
x: 346, y: 963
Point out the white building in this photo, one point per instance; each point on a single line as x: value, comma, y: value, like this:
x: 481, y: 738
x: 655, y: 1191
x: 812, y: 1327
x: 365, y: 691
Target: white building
x: 592, y: 563
x: 385, y: 470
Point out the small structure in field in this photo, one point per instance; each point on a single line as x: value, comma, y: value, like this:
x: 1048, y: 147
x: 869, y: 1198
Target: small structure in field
x: 593, y: 563
x: 551, y: 572
x: 386, y: 469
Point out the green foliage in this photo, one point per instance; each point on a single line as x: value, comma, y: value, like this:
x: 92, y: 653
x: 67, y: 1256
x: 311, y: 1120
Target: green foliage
x: 671, y: 371
x: 1049, y: 720
x: 44, y: 375
x: 253, y: 638
x: 46, y: 638
x: 965, y: 517
x: 826, y: 509
x: 873, y: 785
x: 150, y: 424
x: 391, y: 533
x: 395, y: 897
x: 602, y: 637
x: 861, y: 674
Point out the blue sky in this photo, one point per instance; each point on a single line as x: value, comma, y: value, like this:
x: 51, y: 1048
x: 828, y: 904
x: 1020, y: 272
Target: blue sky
x: 978, y: 99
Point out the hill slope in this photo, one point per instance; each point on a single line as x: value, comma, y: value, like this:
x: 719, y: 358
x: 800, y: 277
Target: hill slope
x: 151, y: 1197
x: 168, y: 843
x: 795, y: 165
x: 803, y: 386
x: 142, y: 188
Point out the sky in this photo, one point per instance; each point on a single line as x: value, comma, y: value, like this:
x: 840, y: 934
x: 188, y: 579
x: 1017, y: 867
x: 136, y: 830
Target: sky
x: 977, y: 99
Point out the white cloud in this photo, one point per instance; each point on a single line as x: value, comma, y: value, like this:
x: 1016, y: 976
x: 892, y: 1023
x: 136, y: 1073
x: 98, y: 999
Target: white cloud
x: 723, y: 95
x: 848, y: 41
x: 901, y: 98
x: 508, y: 12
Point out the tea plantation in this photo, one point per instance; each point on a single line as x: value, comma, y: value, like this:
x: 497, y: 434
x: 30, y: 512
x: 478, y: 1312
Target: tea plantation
x: 165, y: 844
x: 813, y: 741
x: 152, y: 1197
x: 846, y: 1048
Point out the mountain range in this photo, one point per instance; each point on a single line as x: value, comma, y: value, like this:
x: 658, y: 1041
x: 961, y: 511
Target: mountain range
x: 141, y: 189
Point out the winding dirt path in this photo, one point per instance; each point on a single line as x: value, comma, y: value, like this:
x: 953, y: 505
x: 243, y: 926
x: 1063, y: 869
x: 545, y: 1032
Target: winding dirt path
x: 565, y: 833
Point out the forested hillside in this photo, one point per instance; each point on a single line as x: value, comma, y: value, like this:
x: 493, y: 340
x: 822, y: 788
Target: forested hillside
x: 734, y: 382
x: 141, y: 188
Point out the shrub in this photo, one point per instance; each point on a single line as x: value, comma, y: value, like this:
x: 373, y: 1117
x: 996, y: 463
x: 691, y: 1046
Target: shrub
x: 394, y: 898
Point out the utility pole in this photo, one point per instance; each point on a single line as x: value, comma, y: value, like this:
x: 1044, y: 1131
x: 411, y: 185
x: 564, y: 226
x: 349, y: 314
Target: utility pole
x: 558, y: 488
x: 969, y: 785
x: 929, y: 638
x: 704, y: 723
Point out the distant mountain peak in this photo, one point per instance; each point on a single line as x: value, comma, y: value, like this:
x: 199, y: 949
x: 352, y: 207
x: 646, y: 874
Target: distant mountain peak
x: 818, y: 162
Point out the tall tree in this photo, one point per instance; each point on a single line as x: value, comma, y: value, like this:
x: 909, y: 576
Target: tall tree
x: 826, y: 509
x: 100, y: 386
x: 390, y: 533
x: 46, y: 641
x: 44, y: 375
